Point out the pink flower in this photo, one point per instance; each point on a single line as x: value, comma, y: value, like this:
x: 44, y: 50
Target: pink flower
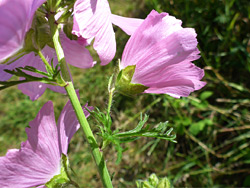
x: 162, y: 52
x: 93, y: 19
x: 39, y: 158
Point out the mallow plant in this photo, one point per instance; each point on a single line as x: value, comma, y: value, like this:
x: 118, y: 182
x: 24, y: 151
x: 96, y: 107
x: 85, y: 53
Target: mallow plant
x: 39, y: 38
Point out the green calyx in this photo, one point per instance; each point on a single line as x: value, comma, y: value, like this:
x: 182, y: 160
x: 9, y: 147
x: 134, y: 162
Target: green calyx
x: 124, y: 85
x: 39, y: 35
x: 62, y: 179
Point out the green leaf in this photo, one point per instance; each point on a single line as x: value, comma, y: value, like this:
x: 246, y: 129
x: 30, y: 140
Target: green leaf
x: 32, y: 69
x: 128, y: 139
x: 206, y: 94
x: 196, y: 128
x: 141, y: 130
x: 27, y: 77
x: 119, y: 153
x: 158, y: 132
x: 137, y: 128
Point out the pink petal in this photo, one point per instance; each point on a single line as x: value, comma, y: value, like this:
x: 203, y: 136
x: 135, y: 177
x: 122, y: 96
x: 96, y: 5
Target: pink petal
x: 128, y: 25
x: 162, y: 51
x: 33, y: 89
x: 38, y: 160
x: 179, y: 46
x: 15, y: 20
x: 92, y: 19
x: 178, y: 80
x: 75, y: 53
x: 67, y: 126
x: 105, y: 44
x: 155, y: 28
x: 13, y: 23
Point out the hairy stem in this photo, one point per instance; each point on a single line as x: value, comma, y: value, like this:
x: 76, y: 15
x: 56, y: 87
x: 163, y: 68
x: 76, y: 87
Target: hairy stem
x: 110, y: 102
x: 45, y: 61
x: 111, y: 90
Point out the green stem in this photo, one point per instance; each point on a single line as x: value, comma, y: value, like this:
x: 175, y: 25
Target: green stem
x: 45, y: 61
x: 97, y: 155
x: 74, y: 184
x: 100, y: 162
x: 110, y: 101
x: 60, y: 81
x: 111, y: 89
x: 59, y: 51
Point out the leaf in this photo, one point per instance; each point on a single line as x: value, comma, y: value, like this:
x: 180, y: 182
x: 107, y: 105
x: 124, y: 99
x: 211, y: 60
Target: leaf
x: 158, y: 132
x: 141, y: 130
x: 206, y: 94
x: 196, y: 128
x: 27, y: 77
x: 137, y: 128
x: 119, y: 153
x: 32, y: 69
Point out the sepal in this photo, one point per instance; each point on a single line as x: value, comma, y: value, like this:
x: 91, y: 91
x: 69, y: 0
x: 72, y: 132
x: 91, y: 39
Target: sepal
x: 29, y: 42
x: 124, y: 85
x: 67, y: 29
x: 38, y: 35
x: 62, y: 179
x: 42, y: 35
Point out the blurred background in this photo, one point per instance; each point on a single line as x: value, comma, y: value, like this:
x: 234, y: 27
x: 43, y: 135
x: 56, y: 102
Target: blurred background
x: 212, y: 125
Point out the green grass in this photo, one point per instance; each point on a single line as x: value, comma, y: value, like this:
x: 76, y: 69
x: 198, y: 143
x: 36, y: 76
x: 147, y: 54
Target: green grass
x: 212, y: 125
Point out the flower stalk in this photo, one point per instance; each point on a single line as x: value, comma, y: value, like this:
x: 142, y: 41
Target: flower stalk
x: 97, y: 155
